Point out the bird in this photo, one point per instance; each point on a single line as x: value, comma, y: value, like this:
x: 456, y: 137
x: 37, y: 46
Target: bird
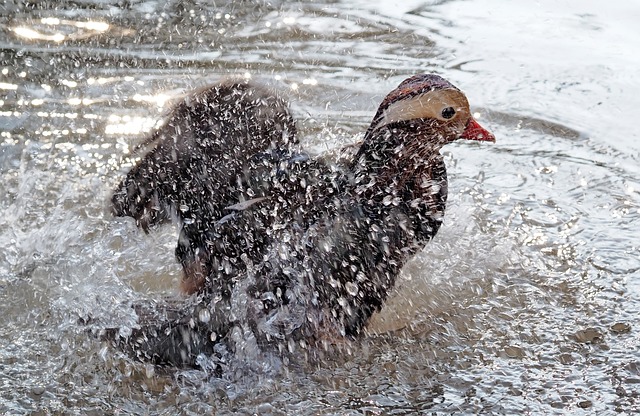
x: 279, y: 248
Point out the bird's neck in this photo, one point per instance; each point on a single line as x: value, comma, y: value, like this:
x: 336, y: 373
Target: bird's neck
x: 393, y: 161
x: 392, y: 203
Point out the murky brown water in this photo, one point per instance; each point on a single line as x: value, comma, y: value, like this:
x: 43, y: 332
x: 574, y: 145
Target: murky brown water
x: 527, y: 300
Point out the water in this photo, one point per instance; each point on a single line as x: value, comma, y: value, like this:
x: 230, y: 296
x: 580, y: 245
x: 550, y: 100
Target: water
x: 526, y: 301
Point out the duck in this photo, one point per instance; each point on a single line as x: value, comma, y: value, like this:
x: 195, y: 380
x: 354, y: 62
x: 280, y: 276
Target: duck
x: 279, y: 248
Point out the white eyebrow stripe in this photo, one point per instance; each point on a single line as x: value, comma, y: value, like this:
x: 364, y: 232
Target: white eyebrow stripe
x: 408, y: 109
x: 426, y: 105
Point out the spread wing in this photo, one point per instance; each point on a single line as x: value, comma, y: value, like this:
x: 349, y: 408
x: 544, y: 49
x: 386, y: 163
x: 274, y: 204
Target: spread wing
x: 197, y: 155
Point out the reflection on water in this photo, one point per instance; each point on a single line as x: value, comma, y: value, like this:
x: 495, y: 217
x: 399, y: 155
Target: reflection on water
x: 528, y: 298
x: 51, y: 30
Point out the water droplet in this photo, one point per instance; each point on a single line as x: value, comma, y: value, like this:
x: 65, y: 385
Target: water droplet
x: 149, y: 370
x: 204, y: 316
x: 352, y: 288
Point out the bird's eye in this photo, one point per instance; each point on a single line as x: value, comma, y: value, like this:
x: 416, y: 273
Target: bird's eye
x: 448, y: 113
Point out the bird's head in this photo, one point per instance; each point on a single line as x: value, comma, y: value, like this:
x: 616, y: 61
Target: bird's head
x: 429, y: 109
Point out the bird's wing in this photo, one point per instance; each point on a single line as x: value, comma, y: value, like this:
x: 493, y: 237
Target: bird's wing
x: 199, y: 152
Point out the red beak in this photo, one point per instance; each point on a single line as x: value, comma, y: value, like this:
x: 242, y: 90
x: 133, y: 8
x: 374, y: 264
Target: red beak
x: 475, y: 131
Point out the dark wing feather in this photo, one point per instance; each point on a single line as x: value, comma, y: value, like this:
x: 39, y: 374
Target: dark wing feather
x: 203, y: 146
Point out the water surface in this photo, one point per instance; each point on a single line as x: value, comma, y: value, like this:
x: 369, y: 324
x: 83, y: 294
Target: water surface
x: 526, y: 301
